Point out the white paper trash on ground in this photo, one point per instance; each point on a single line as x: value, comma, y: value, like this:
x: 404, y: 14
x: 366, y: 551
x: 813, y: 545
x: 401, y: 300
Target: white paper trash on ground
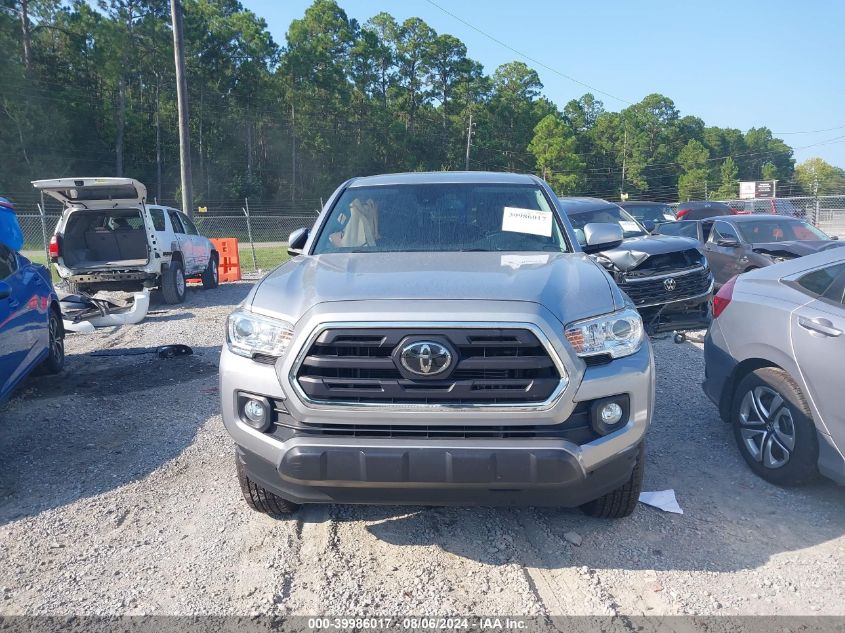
x: 663, y: 499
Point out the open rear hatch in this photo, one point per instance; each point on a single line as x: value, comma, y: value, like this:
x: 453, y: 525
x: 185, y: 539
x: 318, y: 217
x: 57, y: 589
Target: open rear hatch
x: 94, y: 193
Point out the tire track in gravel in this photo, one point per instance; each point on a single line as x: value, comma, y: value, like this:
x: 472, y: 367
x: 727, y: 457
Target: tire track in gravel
x: 562, y: 589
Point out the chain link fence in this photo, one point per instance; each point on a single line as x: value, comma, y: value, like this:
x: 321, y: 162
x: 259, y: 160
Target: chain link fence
x: 263, y: 232
x: 825, y: 212
x: 262, y: 239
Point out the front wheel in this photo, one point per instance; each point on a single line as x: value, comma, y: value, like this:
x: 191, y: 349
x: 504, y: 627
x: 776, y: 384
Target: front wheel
x: 260, y: 499
x: 173, y: 283
x: 774, y: 428
x: 621, y: 502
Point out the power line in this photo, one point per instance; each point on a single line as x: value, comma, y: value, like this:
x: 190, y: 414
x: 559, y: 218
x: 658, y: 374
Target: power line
x: 829, y: 129
x: 528, y: 57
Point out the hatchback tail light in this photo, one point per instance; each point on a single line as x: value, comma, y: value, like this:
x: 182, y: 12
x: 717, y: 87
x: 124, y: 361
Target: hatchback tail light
x: 54, y: 248
x: 723, y: 297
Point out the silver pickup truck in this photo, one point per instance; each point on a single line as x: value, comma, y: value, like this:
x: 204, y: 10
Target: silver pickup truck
x: 440, y: 338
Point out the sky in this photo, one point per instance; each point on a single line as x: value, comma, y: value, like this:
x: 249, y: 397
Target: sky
x: 737, y: 64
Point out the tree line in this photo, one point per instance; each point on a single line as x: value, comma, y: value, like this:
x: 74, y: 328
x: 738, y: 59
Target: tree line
x: 88, y: 89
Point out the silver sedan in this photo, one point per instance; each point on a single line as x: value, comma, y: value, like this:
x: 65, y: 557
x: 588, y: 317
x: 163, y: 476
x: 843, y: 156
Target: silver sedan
x: 775, y: 361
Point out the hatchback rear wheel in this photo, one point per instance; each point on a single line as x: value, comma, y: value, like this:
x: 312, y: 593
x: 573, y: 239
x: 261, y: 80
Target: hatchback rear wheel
x: 774, y: 428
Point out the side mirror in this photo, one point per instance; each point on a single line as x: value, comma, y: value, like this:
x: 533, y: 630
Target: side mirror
x: 649, y: 226
x: 834, y: 237
x: 5, y: 290
x: 600, y: 236
x: 727, y: 242
x: 297, y: 240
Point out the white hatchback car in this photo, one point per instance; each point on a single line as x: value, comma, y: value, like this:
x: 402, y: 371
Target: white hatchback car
x: 109, y: 238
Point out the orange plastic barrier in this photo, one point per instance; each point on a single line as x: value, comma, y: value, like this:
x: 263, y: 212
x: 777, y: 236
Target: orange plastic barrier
x: 229, y: 266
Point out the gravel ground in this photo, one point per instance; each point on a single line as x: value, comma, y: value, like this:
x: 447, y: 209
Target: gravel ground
x: 118, y: 496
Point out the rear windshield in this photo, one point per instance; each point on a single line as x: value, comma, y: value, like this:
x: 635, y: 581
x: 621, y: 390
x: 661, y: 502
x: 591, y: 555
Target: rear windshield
x: 610, y: 214
x: 118, y: 192
x: 651, y: 213
x: 682, y: 228
x: 441, y: 217
x: 776, y: 230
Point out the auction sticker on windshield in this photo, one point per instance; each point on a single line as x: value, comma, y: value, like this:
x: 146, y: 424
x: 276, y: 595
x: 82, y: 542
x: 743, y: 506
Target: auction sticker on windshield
x: 530, y: 221
x: 627, y: 225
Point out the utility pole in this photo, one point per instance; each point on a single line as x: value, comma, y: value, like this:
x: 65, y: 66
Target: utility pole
x: 469, y: 141
x: 292, y: 153
x: 182, y: 98
x: 624, y: 163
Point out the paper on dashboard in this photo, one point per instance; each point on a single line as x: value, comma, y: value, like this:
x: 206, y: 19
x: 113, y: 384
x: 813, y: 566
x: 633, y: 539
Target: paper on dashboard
x: 531, y: 221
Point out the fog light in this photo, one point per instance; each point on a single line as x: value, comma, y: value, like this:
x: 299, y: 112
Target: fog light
x: 611, y: 413
x: 254, y: 411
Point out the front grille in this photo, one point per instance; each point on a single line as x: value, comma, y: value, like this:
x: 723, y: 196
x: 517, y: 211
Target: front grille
x: 576, y: 428
x: 645, y: 291
x: 493, y: 366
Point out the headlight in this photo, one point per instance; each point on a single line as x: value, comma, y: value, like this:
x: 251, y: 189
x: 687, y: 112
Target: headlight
x: 618, y: 334
x: 249, y: 334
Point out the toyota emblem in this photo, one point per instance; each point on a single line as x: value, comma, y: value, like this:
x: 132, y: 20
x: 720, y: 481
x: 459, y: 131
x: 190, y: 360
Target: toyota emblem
x: 670, y: 284
x: 426, y: 358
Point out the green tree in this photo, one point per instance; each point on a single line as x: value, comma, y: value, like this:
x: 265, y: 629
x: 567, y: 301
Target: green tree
x: 728, y: 187
x: 553, y: 146
x: 817, y: 177
x: 693, y: 160
x: 769, y: 171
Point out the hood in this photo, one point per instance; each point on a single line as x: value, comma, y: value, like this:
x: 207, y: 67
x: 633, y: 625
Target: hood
x: 570, y: 285
x: 794, y: 248
x: 635, y: 250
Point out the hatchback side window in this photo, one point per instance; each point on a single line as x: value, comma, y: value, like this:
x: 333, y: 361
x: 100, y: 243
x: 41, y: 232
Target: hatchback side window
x: 836, y: 291
x: 176, y: 221
x: 723, y: 231
x: 819, y: 282
x: 190, y: 229
x: 8, y: 262
x: 157, y: 216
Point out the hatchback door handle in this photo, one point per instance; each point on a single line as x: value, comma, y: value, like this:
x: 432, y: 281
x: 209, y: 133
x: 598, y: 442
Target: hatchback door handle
x: 822, y: 326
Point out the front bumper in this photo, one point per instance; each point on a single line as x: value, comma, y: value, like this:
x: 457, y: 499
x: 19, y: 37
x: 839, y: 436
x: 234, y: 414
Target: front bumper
x: 356, y: 468
x: 476, y: 475
x: 678, y: 316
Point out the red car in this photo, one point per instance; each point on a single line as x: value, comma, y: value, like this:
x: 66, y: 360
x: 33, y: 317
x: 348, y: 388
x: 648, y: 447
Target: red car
x: 702, y: 210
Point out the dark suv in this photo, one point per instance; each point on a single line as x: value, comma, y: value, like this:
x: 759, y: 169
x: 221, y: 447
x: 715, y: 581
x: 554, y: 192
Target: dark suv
x: 667, y: 278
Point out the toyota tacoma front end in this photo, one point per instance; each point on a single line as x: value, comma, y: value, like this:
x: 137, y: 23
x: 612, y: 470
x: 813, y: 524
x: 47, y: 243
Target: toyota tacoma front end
x: 439, y: 339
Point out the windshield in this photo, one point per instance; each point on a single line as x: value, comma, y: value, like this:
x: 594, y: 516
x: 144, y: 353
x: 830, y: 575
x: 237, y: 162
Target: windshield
x: 775, y: 230
x: 651, y: 213
x: 441, y: 217
x: 609, y: 214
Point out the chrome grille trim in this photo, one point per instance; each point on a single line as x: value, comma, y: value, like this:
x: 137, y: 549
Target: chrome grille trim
x: 336, y: 405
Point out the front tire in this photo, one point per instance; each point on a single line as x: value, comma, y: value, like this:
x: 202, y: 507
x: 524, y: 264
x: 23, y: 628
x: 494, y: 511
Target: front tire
x: 774, y: 428
x: 211, y: 274
x: 55, y: 361
x: 621, y: 502
x: 260, y: 499
x: 173, y: 286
